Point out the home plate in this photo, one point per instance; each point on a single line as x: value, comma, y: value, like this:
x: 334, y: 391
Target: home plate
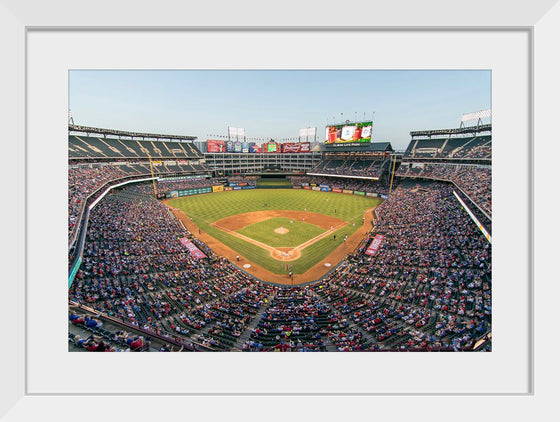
x: 327, y: 264
x: 247, y: 266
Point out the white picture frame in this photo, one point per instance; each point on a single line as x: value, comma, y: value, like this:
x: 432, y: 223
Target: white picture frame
x: 539, y: 21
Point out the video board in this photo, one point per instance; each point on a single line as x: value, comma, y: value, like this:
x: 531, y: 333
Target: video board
x: 270, y: 147
x: 349, y: 133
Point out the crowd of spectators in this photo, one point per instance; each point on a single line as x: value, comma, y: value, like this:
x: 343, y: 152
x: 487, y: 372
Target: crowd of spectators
x: 479, y: 150
x: 478, y: 147
x: 474, y: 181
x: 297, y: 321
x: 250, y: 180
x: 368, y: 167
x: 340, y: 183
x: 168, y: 185
x: 164, y: 186
x: 82, y: 182
x: 427, y: 287
x: 135, y: 269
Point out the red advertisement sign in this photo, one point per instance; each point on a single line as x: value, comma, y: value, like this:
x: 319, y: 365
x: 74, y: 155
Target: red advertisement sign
x: 296, y: 148
x: 216, y: 145
x: 375, y: 244
x: 194, y: 251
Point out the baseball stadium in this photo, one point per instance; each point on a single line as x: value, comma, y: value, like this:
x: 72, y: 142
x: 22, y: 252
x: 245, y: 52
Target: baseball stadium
x: 325, y: 243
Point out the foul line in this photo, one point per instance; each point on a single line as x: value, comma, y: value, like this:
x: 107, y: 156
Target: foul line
x: 271, y: 248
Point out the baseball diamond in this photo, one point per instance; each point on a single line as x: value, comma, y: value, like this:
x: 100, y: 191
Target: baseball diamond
x: 234, y: 223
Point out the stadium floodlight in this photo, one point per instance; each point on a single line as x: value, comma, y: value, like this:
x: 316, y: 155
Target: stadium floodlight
x: 235, y: 132
x: 477, y: 115
x: 308, y: 132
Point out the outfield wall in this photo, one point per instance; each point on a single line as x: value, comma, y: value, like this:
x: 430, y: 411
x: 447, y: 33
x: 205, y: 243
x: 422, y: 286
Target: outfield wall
x: 327, y: 188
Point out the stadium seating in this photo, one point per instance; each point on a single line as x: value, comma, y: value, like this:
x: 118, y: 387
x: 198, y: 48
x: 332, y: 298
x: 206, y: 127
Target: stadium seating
x: 87, y: 147
x: 428, y: 287
x: 473, y: 147
x: 474, y: 180
x: 353, y: 166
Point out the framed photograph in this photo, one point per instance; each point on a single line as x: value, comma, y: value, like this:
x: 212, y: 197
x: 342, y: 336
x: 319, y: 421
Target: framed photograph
x: 43, y: 45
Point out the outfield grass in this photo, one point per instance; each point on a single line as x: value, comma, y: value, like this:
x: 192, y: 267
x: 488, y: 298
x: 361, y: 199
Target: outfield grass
x: 208, y: 208
x: 299, y: 232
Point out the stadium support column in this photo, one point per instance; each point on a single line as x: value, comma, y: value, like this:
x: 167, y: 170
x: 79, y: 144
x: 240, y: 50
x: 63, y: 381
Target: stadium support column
x: 392, y: 174
x: 153, y: 177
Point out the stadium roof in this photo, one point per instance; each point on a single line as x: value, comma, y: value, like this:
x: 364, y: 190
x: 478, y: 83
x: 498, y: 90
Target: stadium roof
x: 88, y: 129
x: 471, y: 129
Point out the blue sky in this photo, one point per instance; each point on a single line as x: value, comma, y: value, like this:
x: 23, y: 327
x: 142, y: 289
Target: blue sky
x: 276, y: 104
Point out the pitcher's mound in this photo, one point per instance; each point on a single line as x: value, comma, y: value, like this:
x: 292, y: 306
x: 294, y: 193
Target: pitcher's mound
x: 281, y: 230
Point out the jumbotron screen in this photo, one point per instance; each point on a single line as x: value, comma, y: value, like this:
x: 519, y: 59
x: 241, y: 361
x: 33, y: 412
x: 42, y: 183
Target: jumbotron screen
x: 271, y: 147
x: 349, y: 133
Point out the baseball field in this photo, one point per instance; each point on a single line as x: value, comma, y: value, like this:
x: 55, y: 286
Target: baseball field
x: 278, y: 230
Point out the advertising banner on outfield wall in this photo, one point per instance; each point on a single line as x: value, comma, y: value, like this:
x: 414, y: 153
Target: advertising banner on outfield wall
x: 188, y: 192
x: 375, y: 244
x: 174, y: 194
x: 307, y: 187
x: 325, y: 189
x: 324, y: 186
x: 383, y: 196
x: 316, y: 188
x: 296, y: 187
x: 348, y: 192
x: 248, y: 187
x: 219, y: 188
x: 337, y: 190
x: 194, y: 251
x: 359, y: 193
x: 305, y: 184
x: 228, y: 188
x: 371, y: 194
